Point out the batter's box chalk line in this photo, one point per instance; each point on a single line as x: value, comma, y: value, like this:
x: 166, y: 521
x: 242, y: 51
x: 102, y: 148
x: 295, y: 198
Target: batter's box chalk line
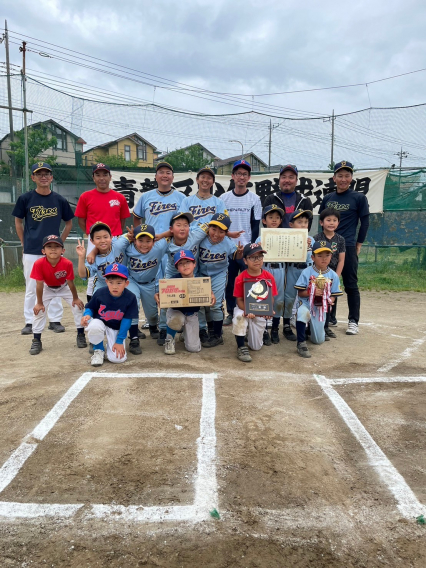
x: 407, y: 503
x: 205, y: 479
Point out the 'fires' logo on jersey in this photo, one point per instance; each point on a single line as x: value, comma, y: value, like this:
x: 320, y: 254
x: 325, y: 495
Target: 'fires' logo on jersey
x: 39, y: 212
x: 208, y: 256
x: 136, y: 265
x: 198, y: 211
x: 157, y: 207
x: 108, y: 315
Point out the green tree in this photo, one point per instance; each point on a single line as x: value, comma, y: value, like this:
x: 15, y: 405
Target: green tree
x: 114, y: 161
x: 331, y: 166
x: 187, y: 159
x: 38, y: 142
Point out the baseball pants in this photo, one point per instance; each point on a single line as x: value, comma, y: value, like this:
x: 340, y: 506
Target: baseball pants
x: 145, y: 293
x: 255, y: 327
x: 55, y: 294
x: 214, y: 313
x: 176, y: 320
x: 91, y: 280
x: 278, y: 274
x: 55, y: 311
x: 350, y: 283
x: 291, y: 276
x: 235, y: 266
x: 97, y: 330
x: 317, y: 327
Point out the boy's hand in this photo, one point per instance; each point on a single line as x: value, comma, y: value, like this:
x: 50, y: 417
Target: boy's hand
x: 157, y: 298
x: 130, y: 233
x: 38, y: 308
x: 118, y: 350
x: 77, y: 302
x: 240, y: 249
x: 85, y: 320
x: 319, y: 292
x: 80, y: 248
x: 331, y: 300
x: 309, y: 241
x: 249, y: 316
x: 91, y: 257
x: 234, y: 234
x: 213, y: 300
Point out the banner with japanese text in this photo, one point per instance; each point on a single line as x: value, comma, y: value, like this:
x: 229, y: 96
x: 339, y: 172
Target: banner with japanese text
x: 313, y: 185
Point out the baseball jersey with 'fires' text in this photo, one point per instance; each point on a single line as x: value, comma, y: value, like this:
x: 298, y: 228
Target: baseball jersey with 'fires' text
x: 202, y: 209
x: 213, y: 257
x: 53, y: 275
x: 157, y: 209
x: 143, y: 267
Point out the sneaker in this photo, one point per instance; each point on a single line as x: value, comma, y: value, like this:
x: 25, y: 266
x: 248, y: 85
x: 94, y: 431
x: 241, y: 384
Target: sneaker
x: 288, y: 333
x: 352, y: 328
x: 326, y: 338
x: 56, y: 327
x: 169, y: 348
x: 27, y: 330
x: 91, y: 349
x: 227, y: 320
x: 303, y: 350
x: 135, y: 346
x: 266, y: 338
x: 81, y: 341
x: 204, y: 336
x: 243, y: 354
x: 36, y: 347
x: 333, y: 322
x: 275, y: 336
x: 97, y: 358
x: 213, y: 341
x: 329, y: 332
x: 154, y: 332
x: 141, y: 334
x: 145, y: 325
x: 162, y: 337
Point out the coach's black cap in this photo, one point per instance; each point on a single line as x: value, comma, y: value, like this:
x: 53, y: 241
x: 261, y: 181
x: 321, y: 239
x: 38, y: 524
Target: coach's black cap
x: 100, y: 166
x: 343, y: 166
x: 290, y: 168
x: 40, y: 166
x: 206, y: 170
x: 253, y: 248
x: 52, y: 239
x: 164, y: 165
x: 99, y: 226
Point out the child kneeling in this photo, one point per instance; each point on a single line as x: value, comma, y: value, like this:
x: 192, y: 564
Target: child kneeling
x: 186, y: 318
x: 241, y: 322
x: 317, y: 288
x: 109, y: 313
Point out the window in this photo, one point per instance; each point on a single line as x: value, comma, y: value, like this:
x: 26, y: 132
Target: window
x: 142, y: 152
x: 127, y: 153
x: 61, y: 138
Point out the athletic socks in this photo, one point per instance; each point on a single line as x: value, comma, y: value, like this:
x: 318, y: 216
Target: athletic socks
x: 171, y: 332
x: 134, y: 331
x: 88, y: 297
x: 240, y: 340
x: 286, y: 321
x: 37, y: 336
x: 301, y: 331
x: 80, y: 331
x: 276, y: 323
x: 217, y: 328
x: 99, y: 346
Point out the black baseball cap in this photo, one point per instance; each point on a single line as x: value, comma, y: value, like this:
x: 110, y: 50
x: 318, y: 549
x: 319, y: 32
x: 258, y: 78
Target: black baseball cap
x: 273, y: 207
x: 318, y: 247
x: 206, y: 170
x: 99, y: 226
x: 185, y: 214
x: 290, y: 168
x: 164, y: 165
x: 221, y: 220
x: 145, y: 230
x: 253, y: 248
x: 100, y: 166
x: 299, y: 213
x: 40, y: 166
x: 344, y: 166
x: 52, y: 239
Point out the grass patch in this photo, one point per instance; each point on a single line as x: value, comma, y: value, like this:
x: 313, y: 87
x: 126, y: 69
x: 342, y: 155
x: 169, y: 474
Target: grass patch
x: 14, y: 281
x: 392, y: 277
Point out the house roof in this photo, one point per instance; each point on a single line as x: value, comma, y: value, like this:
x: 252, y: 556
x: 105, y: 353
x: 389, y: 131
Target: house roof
x: 220, y: 163
x: 78, y: 139
x: 162, y: 156
x: 131, y: 136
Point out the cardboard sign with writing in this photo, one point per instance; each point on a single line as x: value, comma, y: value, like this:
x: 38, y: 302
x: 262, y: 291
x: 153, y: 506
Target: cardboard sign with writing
x: 258, y: 298
x: 284, y: 245
x: 185, y: 292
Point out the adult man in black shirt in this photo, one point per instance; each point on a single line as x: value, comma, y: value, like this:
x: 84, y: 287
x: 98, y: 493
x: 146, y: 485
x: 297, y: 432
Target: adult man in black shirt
x: 287, y: 198
x: 353, y: 208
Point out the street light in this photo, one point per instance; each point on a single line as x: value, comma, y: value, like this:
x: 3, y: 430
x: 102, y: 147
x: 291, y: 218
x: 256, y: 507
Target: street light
x: 242, y: 147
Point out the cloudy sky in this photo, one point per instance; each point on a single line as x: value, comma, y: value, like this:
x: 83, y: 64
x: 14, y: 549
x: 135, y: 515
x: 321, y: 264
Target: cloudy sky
x: 235, y: 51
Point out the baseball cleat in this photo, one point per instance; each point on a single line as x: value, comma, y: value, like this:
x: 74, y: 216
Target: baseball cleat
x: 36, y: 347
x: 329, y: 332
x: 213, y: 341
x: 204, y: 336
x: 56, y: 326
x: 97, y: 358
x: 135, y: 346
x: 266, y: 338
x: 81, y: 341
x: 352, y: 328
x: 275, y: 336
x: 169, y: 347
x: 303, y: 350
x: 27, y: 330
x: 288, y: 333
x: 162, y: 337
x: 227, y: 320
x: 243, y: 354
x: 141, y: 334
x: 154, y: 332
x: 333, y: 322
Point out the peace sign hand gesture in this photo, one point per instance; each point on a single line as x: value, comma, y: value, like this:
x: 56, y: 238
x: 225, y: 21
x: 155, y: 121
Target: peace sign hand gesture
x: 80, y: 248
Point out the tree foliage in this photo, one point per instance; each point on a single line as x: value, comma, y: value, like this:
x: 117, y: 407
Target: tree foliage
x: 38, y: 142
x: 114, y: 161
x: 187, y: 159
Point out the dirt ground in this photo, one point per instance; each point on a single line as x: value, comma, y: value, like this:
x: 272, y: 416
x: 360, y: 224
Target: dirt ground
x: 295, y: 487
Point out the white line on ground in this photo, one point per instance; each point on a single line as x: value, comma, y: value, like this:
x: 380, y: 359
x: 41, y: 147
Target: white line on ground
x: 32, y: 510
x: 14, y: 463
x: 143, y: 514
x: 377, y: 380
x: 408, y: 504
x: 404, y: 355
x: 153, y: 375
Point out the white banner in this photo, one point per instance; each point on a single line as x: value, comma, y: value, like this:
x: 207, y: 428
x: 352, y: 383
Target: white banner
x: 313, y: 185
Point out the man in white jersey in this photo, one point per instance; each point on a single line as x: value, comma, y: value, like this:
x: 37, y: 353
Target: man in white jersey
x: 245, y: 210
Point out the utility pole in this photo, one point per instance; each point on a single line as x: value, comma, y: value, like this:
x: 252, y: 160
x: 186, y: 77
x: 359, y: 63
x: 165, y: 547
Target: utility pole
x: 24, y: 91
x: 9, y: 96
x: 271, y: 127
x: 401, y: 155
x: 332, y: 140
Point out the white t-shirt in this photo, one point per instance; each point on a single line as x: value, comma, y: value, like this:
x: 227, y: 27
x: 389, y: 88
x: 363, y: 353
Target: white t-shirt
x: 243, y: 210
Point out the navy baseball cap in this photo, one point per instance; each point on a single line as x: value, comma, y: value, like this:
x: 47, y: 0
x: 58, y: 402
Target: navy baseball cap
x: 253, y: 248
x: 273, y: 207
x: 145, y: 230
x: 53, y: 239
x: 241, y: 164
x: 344, y: 166
x: 100, y: 166
x: 318, y: 247
x: 163, y: 165
x: 185, y: 214
x: 299, y: 213
x: 221, y: 220
x: 182, y: 255
x: 99, y: 226
x: 40, y: 166
x: 206, y: 170
x: 117, y: 270
x: 290, y: 168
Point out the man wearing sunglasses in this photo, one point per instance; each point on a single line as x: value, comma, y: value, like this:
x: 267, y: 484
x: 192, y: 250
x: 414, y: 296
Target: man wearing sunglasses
x: 287, y: 198
x: 42, y: 210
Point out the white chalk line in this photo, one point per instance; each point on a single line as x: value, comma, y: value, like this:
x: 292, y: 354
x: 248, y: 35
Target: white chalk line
x: 365, y: 380
x: 407, y: 502
x: 406, y: 354
x: 205, y: 479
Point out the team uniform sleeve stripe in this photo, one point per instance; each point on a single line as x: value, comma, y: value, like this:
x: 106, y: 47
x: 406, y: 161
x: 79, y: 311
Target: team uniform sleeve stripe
x: 300, y: 287
x: 137, y: 216
x: 336, y: 294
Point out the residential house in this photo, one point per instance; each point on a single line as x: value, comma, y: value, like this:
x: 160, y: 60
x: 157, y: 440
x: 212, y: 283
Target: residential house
x: 224, y: 167
x: 131, y: 147
x: 208, y: 156
x: 68, y: 148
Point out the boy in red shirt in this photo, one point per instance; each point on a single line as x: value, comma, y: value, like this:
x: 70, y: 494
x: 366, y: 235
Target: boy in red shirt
x: 253, y: 259
x: 55, y: 279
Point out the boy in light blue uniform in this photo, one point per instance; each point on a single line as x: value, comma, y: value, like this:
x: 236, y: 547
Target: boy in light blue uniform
x: 213, y: 257
x: 298, y: 220
x: 272, y: 218
x: 312, y: 306
x: 203, y: 205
